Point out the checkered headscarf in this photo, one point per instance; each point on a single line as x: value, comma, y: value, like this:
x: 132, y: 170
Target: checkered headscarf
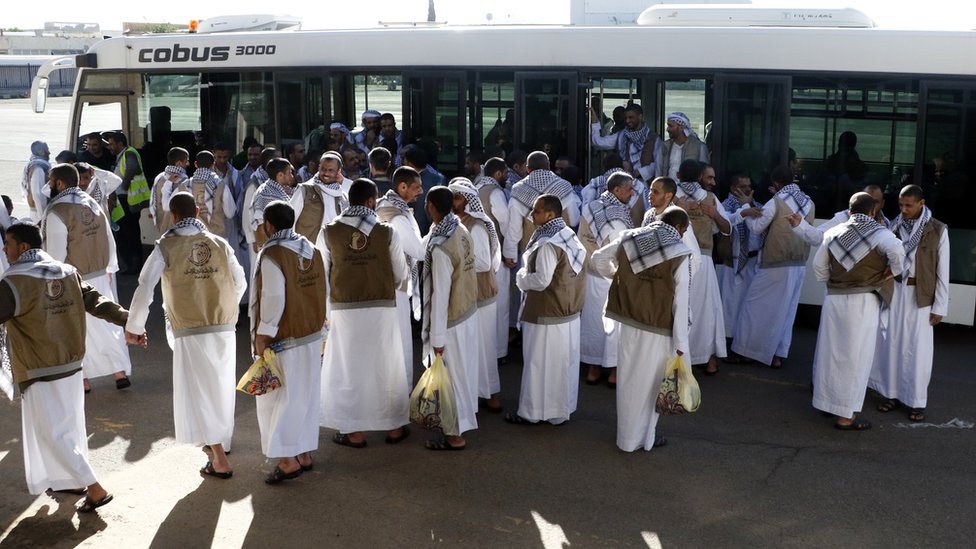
x: 852, y: 244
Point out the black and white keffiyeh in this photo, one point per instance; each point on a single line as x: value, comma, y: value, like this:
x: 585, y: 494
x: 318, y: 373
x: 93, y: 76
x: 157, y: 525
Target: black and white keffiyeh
x: 540, y: 182
x: 914, y: 229
x: 599, y: 183
x: 651, y: 245
x: 693, y: 189
x: 852, y: 245
x: 171, y: 171
x: 795, y: 198
x: 651, y: 215
x: 268, y: 193
x: 439, y: 233
x: 209, y: 178
x: 360, y: 218
x: 74, y: 195
x: 632, y: 143
x: 556, y: 232
x: 291, y: 240
x: 484, y: 181
x: 600, y: 212
x: 392, y: 200
x: 37, y: 263
x: 187, y: 223
x: 740, y: 233
x: 34, y: 162
x: 476, y: 209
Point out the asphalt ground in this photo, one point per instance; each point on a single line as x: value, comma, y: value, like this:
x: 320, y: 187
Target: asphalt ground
x: 755, y: 467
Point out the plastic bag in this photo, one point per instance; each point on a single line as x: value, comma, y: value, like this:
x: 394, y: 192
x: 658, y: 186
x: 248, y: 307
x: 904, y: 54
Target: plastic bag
x: 679, y: 391
x: 432, y: 401
x: 263, y: 376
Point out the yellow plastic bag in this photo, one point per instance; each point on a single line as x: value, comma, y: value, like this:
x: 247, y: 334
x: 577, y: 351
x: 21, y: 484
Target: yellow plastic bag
x: 432, y: 400
x: 679, y: 392
x: 263, y: 376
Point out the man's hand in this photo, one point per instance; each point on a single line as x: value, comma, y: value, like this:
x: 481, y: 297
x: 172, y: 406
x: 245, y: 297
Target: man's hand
x: 709, y: 210
x: 934, y: 319
x: 744, y: 197
x: 794, y: 219
x: 136, y: 339
x: 510, y: 263
x: 887, y: 274
x: 261, y: 343
x: 754, y: 213
x: 687, y: 204
x: 438, y: 351
x: 680, y: 353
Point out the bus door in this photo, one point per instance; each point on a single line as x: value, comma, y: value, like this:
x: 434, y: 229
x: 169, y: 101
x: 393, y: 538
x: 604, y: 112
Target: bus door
x: 435, y: 116
x: 603, y: 97
x: 300, y: 106
x: 751, y: 129
x: 546, y: 114
x: 945, y: 167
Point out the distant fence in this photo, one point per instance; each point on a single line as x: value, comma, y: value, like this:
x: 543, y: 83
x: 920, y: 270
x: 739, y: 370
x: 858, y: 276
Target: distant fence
x: 15, y: 80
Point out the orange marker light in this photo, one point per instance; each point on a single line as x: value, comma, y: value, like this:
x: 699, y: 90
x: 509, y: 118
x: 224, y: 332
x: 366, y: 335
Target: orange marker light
x: 193, y: 25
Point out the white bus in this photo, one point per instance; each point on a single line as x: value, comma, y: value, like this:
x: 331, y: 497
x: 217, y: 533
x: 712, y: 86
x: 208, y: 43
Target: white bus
x: 908, y: 96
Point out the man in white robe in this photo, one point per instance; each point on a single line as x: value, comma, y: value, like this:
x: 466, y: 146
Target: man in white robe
x: 35, y: 178
x: 288, y: 306
x: 394, y: 208
x: 98, y: 183
x: 708, y: 217
x: 363, y: 384
x: 171, y: 180
x: 653, y: 316
x: 612, y: 163
x: 43, y: 304
x: 493, y: 200
x: 736, y: 271
x: 77, y: 232
x: 856, y: 260
x: 202, y: 286
x: 248, y: 226
x: 814, y: 234
x: 324, y: 197
x: 764, y: 329
x: 451, y: 328
x: 903, y: 365
x: 553, y: 284
x: 682, y: 144
x: 487, y: 257
x: 603, y: 220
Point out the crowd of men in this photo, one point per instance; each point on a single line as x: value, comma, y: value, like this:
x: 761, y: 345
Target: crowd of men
x: 641, y: 264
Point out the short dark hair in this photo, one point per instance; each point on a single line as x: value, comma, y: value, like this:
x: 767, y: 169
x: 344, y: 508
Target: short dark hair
x: 183, y: 204
x: 9, y: 204
x: 782, y: 175
x: 441, y: 198
x: 612, y: 160
x: 516, y: 157
x: 83, y: 167
x: 405, y: 174
x: 689, y: 170
x: 25, y: 232
x: 913, y: 191
x: 280, y: 215
x: 618, y: 179
x: 537, y: 160
x: 862, y: 203
x: 331, y: 156
x: 94, y: 135
x: 249, y: 142
x: 268, y: 154
x: 361, y: 191
x: 676, y: 217
x: 205, y: 159
x: 176, y: 154
x: 66, y: 156
x: 290, y: 148
x: 276, y: 166
x: 493, y: 165
x: 65, y: 173
x: 667, y: 184
x: 551, y: 203
x: 380, y: 159
x: 118, y: 136
x: 477, y: 156
x: 387, y: 116
x: 221, y: 146
x: 634, y: 107
x: 415, y: 155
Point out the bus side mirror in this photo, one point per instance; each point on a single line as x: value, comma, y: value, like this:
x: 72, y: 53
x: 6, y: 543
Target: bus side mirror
x: 39, y: 93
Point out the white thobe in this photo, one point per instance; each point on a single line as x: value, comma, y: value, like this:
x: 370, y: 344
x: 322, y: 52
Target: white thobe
x: 204, y: 365
x: 503, y: 275
x: 594, y: 330
x: 105, y: 349
x: 106, y: 182
x: 288, y: 417
x: 903, y: 364
x: 329, y: 212
x: 37, y: 186
x: 364, y: 387
x: 732, y: 286
x: 55, y: 438
x: 813, y: 235
x: 488, y: 380
x: 550, y: 352
x: 848, y: 332
x: 764, y: 327
x: 413, y: 246
x: 643, y: 356
x: 247, y: 220
x: 461, y: 343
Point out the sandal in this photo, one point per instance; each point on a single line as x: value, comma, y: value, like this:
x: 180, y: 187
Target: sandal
x: 443, y: 445
x: 308, y: 467
x: 516, y: 419
x: 90, y: 505
x: 888, y: 405
x: 916, y: 414
x: 659, y: 441
x: 277, y: 476
x: 342, y: 439
x: 404, y: 433
x: 856, y: 425
x: 122, y: 383
x: 209, y: 471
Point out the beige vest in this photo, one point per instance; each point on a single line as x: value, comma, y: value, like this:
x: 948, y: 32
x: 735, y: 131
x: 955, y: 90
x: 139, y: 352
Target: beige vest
x: 562, y: 300
x: 926, y: 263
x: 47, y: 337
x: 782, y: 247
x: 691, y: 149
x: 487, y: 283
x: 643, y: 300
x: 198, y: 286
x: 304, y: 312
x: 867, y: 275
x: 164, y: 219
x: 484, y: 194
x: 215, y: 220
x: 88, y: 244
x: 386, y: 215
x: 310, y: 222
x: 361, y: 269
x: 702, y: 225
x: 464, y: 281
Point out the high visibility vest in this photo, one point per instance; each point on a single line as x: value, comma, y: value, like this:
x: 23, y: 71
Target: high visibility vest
x: 139, y: 187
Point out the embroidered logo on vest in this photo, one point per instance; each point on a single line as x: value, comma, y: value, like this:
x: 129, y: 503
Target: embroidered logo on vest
x: 87, y: 216
x: 54, y: 289
x: 358, y: 242
x: 199, y: 254
x: 304, y: 265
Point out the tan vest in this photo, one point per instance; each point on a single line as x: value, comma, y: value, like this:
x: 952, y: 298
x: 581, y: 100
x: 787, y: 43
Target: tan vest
x: 304, y: 312
x: 88, y: 244
x: 528, y: 228
x: 164, y: 219
x: 782, y: 247
x: 562, y: 300
x: 464, y: 281
x: 361, y: 269
x: 47, y: 337
x: 484, y: 194
x: 643, y: 300
x: 926, y: 263
x: 386, y: 215
x: 867, y: 274
x: 198, y: 285
x: 702, y: 225
x: 310, y: 222
x: 637, y: 212
x: 487, y: 283
x: 215, y: 220
x: 691, y: 149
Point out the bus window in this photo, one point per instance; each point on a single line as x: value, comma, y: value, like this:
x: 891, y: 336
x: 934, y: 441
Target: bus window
x: 300, y: 107
x: 437, y: 117
x: 610, y: 95
x: 545, y: 109
x: 687, y: 96
x: 98, y: 116
x: 496, y: 104
x: 380, y: 92
x: 169, y: 116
